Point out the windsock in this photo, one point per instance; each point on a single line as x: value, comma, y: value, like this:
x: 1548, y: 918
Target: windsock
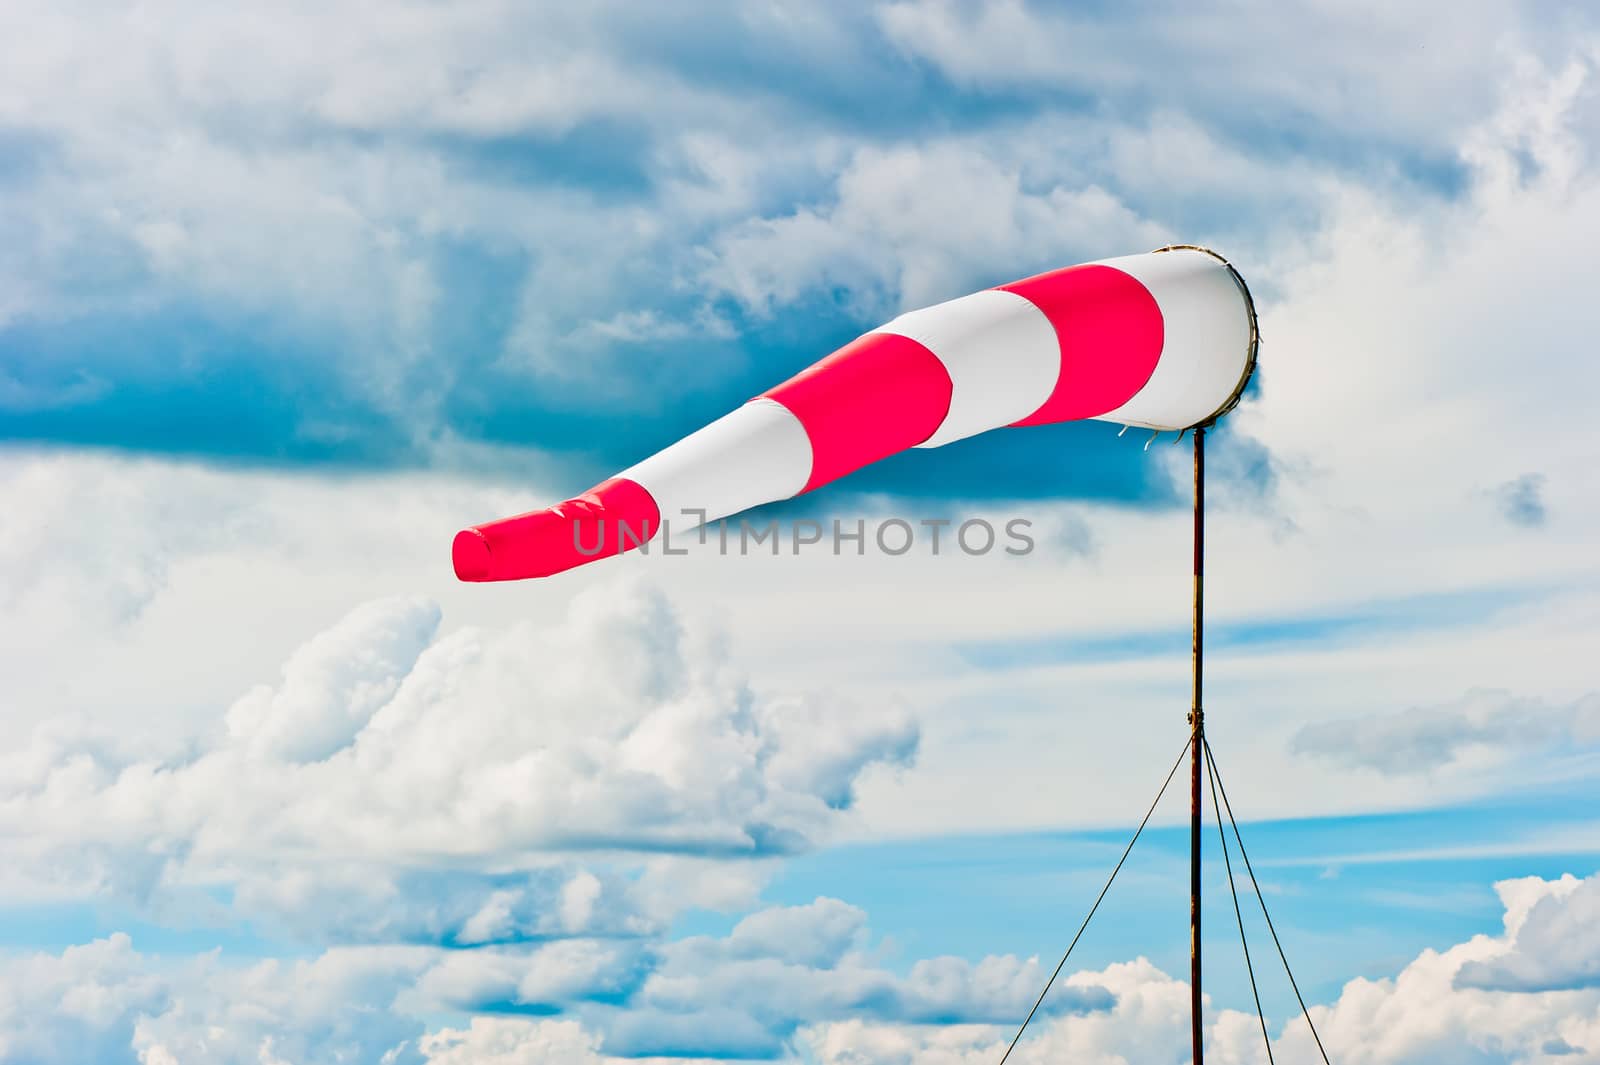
x: 1165, y: 341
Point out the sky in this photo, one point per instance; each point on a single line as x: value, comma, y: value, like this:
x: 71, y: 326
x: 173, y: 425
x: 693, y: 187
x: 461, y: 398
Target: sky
x: 290, y: 294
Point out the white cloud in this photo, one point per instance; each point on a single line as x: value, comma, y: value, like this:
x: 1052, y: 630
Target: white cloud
x: 333, y: 685
x: 314, y: 178
x: 1482, y: 728
x: 1443, y: 1006
x: 84, y: 1001
x: 1148, y: 1022
x: 385, y: 751
x: 499, y: 1041
x: 407, y: 778
x: 1396, y: 398
x: 313, y: 173
x: 329, y: 900
x: 320, y: 169
x: 1432, y: 1012
x: 1339, y: 69
x: 818, y: 934
x: 916, y: 225
x: 551, y: 977
x: 742, y: 994
x: 1553, y: 940
x: 1511, y: 998
x: 105, y: 1002
x: 787, y: 967
x: 727, y: 997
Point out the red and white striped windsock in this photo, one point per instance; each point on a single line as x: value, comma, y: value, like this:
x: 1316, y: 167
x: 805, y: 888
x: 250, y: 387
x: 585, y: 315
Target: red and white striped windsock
x: 1165, y: 341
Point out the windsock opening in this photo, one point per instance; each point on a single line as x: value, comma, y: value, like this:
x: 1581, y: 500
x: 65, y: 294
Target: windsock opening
x: 1252, y: 344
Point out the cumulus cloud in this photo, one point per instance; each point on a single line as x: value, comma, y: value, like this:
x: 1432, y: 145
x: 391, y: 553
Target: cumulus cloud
x: 498, y: 1041
x: 782, y: 968
x: 1342, y: 68
x: 1416, y: 299
x: 1525, y: 996
x: 816, y: 935
x: 105, y: 1002
x: 739, y: 996
x: 84, y: 1002
x: 545, y: 979
x: 333, y: 685
x: 1460, y: 1004
x: 396, y: 223
x: 349, y: 179
x: 1149, y: 1022
x: 434, y: 782
x: 447, y: 789
x: 374, y: 902
x: 1553, y: 934
x: 911, y: 226
x: 64, y: 575
x: 1449, y: 1006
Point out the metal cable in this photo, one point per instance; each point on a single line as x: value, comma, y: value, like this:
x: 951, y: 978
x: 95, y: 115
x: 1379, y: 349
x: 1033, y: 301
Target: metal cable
x: 1238, y: 915
x: 1125, y: 852
x: 1257, y: 885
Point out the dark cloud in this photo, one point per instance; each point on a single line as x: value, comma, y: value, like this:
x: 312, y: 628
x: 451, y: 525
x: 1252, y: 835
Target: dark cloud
x: 385, y: 247
x: 1521, y: 500
x: 1426, y: 738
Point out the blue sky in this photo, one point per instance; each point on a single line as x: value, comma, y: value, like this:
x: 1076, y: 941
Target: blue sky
x: 287, y: 297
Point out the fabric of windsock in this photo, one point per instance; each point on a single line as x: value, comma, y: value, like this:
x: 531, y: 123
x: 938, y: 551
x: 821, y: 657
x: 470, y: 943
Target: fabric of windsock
x: 1164, y: 340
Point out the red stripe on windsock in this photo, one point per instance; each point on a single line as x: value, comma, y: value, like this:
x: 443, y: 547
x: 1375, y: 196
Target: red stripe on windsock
x: 879, y: 394
x: 1111, y: 333
x: 613, y: 516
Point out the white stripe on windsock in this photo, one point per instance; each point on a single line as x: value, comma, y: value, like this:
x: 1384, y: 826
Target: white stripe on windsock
x: 757, y: 454
x: 1000, y: 351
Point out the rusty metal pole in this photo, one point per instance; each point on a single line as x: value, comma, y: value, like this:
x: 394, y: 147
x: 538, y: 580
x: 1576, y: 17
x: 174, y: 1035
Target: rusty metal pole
x: 1197, y: 733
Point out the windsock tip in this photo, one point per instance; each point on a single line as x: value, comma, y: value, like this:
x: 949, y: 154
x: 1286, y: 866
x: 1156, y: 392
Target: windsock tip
x: 470, y: 555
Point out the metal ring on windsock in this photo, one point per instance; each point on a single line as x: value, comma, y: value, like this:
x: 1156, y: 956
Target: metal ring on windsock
x: 1166, y: 341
